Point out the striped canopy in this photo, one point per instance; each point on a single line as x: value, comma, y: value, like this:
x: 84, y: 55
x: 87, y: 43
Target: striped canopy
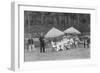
x: 72, y: 30
x: 54, y: 32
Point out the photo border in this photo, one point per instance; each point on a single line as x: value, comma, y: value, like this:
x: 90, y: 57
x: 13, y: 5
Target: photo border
x: 16, y: 59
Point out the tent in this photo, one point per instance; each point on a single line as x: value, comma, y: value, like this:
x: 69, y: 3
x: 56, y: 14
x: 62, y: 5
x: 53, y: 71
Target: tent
x: 54, y: 32
x: 72, y: 30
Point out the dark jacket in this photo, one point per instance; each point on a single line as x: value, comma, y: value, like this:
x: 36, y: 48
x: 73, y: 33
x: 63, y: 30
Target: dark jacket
x: 42, y: 40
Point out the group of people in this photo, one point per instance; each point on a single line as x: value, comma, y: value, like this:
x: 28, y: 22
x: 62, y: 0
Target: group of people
x: 31, y: 45
x: 64, y: 44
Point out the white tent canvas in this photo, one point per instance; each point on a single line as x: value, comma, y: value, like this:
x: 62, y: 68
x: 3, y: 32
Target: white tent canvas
x: 54, y: 32
x: 72, y: 30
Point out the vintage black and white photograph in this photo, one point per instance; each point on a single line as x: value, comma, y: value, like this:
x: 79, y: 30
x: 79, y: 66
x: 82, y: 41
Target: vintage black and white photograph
x: 56, y: 36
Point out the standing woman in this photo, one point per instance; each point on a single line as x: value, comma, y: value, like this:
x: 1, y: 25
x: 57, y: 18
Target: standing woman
x: 30, y: 43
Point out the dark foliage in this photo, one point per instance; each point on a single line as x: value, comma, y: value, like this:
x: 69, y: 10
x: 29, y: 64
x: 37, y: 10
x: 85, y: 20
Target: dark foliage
x: 35, y: 22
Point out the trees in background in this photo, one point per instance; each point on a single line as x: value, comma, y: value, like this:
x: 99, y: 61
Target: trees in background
x: 59, y: 20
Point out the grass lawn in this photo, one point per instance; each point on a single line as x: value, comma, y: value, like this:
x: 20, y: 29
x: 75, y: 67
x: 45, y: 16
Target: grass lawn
x: 74, y: 53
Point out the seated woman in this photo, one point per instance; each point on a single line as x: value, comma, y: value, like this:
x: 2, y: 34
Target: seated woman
x: 66, y: 43
x: 76, y: 42
x: 54, y: 46
x: 71, y: 42
x: 59, y: 46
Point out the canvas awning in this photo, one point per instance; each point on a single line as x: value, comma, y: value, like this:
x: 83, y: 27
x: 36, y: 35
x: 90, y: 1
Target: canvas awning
x: 54, y: 32
x: 72, y: 30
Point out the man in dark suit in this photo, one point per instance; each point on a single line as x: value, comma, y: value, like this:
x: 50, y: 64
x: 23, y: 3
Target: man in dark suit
x: 42, y: 43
